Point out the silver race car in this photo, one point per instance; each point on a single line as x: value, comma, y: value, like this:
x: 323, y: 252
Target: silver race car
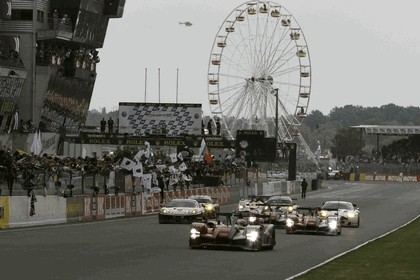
x: 181, y: 211
x: 349, y: 212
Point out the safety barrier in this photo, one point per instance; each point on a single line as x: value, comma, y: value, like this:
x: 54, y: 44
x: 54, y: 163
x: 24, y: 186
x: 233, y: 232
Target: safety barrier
x: 383, y: 177
x: 23, y: 211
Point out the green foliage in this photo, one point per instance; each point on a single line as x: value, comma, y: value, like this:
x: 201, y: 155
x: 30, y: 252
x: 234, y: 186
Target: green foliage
x: 323, y: 128
x: 394, y: 256
x: 345, y: 143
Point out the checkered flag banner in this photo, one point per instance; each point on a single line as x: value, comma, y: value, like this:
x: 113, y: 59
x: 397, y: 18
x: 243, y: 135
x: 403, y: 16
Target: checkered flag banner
x: 159, y: 118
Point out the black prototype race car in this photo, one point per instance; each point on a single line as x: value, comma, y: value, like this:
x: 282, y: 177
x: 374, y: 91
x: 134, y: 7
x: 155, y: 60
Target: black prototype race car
x: 237, y: 231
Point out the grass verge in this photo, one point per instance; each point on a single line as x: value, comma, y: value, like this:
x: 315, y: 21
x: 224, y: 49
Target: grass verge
x: 395, y: 256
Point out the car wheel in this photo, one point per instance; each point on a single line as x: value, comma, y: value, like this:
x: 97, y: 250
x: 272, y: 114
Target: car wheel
x: 273, y: 241
x: 358, y: 222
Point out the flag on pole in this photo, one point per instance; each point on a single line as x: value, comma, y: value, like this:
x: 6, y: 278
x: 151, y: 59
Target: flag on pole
x: 208, y: 157
x: 180, y: 156
x: 138, y: 170
x: 173, y: 158
x: 147, y: 182
x: 202, y: 147
x: 182, y: 167
x: 127, y: 164
x: 84, y: 153
x: 138, y: 156
x: 36, y: 146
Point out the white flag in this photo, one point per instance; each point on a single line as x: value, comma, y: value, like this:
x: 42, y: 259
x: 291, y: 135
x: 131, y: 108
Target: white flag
x: 147, y: 182
x: 127, y: 164
x: 180, y: 156
x: 36, y: 146
x: 138, y: 156
x: 174, y: 158
x: 172, y: 169
x: 182, y: 167
x: 138, y: 170
x: 84, y: 153
x: 202, y: 147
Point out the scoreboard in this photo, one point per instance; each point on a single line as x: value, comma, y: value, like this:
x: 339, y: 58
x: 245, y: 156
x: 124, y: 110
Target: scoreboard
x: 253, y: 146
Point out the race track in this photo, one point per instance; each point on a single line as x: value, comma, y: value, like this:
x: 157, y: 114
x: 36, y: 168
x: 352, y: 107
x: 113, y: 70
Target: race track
x: 140, y: 248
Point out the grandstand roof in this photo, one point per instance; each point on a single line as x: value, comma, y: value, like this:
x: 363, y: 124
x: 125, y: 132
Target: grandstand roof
x: 389, y: 129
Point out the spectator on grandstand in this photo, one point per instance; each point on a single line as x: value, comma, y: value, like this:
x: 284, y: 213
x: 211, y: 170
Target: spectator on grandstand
x: 218, y: 126
x: 210, y: 127
x: 110, y: 125
x: 103, y: 125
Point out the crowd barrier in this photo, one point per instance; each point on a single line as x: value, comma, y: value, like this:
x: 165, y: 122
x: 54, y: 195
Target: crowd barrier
x: 23, y: 211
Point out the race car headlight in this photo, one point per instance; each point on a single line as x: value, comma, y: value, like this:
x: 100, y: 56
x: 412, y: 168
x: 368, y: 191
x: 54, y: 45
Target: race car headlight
x: 194, y: 233
x: 332, y: 224
x: 289, y: 222
x: 266, y: 208
x: 252, y: 219
x: 289, y: 209
x: 209, y: 207
x: 351, y: 215
x: 252, y: 236
x: 164, y: 211
x: 241, y: 207
x: 195, y: 211
x: 323, y: 214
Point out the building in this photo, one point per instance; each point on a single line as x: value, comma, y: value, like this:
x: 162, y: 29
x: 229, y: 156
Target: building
x: 48, y: 57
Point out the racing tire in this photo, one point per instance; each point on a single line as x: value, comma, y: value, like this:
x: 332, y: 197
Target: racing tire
x: 273, y: 241
x: 358, y: 222
x: 258, y: 246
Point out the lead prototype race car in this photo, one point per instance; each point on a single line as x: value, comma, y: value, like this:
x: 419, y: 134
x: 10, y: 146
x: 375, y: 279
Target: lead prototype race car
x: 236, y: 232
x: 314, y: 220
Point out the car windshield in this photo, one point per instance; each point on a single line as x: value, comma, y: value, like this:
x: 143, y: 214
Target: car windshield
x: 279, y: 200
x: 202, y: 200
x: 181, y: 203
x: 338, y: 205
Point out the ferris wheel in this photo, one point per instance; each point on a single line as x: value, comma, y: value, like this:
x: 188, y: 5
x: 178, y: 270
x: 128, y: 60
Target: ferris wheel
x: 260, y: 71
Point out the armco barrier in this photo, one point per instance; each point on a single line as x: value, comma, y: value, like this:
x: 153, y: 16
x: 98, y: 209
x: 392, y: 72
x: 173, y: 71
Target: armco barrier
x: 52, y: 209
x: 132, y: 204
x: 48, y: 210
x: 114, y: 206
x: 74, y: 206
x: 4, y: 212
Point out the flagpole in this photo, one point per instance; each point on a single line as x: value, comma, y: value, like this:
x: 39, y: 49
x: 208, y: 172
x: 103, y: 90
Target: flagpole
x: 177, y: 77
x: 145, y: 84
x: 159, y: 82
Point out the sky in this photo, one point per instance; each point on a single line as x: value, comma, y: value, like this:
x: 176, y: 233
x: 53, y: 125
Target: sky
x: 363, y: 53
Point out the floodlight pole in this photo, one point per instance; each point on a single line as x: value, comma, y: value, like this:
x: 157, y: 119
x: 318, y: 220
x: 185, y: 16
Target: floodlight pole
x: 276, y: 90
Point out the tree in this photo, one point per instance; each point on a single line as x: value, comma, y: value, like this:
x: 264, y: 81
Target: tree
x: 346, y: 143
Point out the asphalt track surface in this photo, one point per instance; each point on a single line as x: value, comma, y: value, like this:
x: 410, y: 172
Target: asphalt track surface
x: 140, y: 248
